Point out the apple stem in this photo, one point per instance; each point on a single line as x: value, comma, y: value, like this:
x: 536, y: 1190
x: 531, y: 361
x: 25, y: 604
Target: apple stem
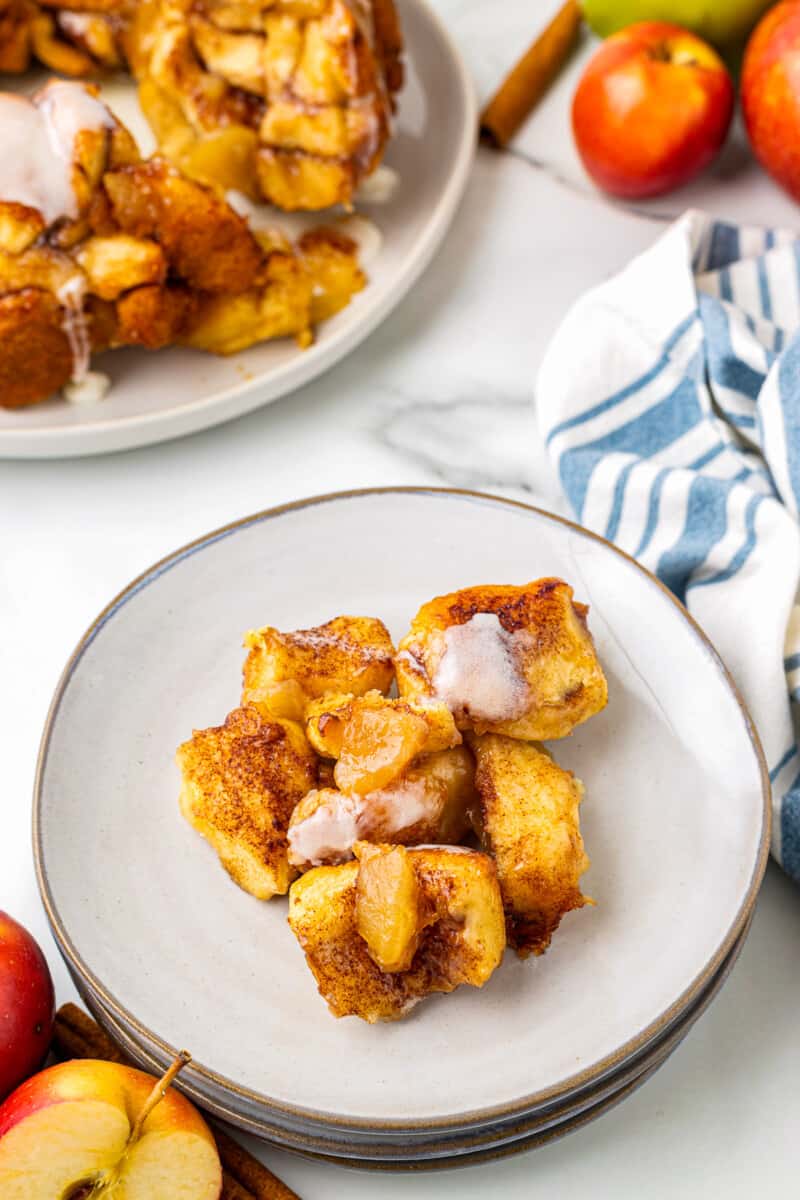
x: 158, y: 1093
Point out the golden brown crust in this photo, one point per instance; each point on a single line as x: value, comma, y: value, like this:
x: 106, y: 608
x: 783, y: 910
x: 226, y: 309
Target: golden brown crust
x: 15, y: 36
x: 345, y: 654
x: 529, y: 823
x: 241, y: 782
x: 463, y: 944
x: 154, y: 317
x: 289, y: 102
x: 554, y: 650
x: 35, y: 358
x: 150, y: 259
x: 208, y: 245
x: 79, y: 39
x: 285, y: 100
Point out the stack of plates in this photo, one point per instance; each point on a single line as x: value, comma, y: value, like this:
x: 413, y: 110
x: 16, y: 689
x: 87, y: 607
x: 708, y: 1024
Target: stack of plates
x: 168, y: 953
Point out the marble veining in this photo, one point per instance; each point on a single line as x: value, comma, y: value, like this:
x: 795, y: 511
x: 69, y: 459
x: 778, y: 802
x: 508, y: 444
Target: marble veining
x: 466, y: 441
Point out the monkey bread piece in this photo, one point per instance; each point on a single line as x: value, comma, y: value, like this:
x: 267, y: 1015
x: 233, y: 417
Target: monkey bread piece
x: 31, y: 333
x: 458, y: 922
x: 529, y: 823
x: 430, y: 802
x: 241, y: 782
x: 287, y: 671
x: 288, y: 101
x: 206, y: 243
x: 79, y: 39
x: 301, y: 286
x: 374, y: 738
x: 57, y: 147
x: 100, y: 249
x: 513, y: 660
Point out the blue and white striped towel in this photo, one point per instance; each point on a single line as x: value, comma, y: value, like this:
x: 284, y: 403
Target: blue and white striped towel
x: 670, y: 401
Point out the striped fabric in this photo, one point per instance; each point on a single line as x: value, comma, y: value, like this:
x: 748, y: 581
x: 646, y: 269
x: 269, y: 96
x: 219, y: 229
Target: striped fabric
x: 670, y: 401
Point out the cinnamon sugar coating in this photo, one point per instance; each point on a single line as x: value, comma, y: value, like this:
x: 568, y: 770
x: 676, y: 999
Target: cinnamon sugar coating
x: 288, y: 670
x: 462, y: 944
x: 241, y: 782
x: 546, y: 641
x: 529, y: 823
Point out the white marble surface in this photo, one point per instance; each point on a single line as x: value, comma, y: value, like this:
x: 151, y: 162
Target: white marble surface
x: 440, y: 394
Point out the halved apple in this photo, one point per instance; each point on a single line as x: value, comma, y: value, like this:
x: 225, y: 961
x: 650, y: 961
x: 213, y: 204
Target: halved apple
x: 75, y: 1132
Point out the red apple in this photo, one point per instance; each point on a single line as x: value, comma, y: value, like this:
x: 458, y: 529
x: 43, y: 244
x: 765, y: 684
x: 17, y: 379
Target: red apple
x: 95, y: 1129
x: 26, y: 1005
x: 651, y: 110
x: 771, y: 93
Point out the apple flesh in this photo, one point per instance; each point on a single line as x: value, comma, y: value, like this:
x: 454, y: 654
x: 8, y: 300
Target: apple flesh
x: 69, y: 1133
x: 771, y: 94
x: 26, y: 1005
x: 652, y: 109
x: 724, y: 23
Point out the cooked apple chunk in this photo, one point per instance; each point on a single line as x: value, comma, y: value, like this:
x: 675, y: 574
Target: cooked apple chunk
x: 390, y: 915
x: 529, y: 822
x: 288, y: 670
x: 375, y: 738
x: 462, y: 944
x: 428, y: 803
x: 513, y: 660
x: 377, y: 744
x: 241, y: 782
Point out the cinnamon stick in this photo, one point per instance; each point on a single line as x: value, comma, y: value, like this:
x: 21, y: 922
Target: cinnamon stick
x: 248, y: 1172
x: 524, y: 86
x: 76, y: 1035
x: 231, y: 1190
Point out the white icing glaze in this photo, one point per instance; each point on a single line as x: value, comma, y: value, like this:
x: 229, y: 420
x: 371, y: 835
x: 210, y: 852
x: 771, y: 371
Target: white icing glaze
x: 478, y: 673
x: 402, y: 805
x: 76, y: 24
x: 91, y: 389
x: 379, y: 187
x: 71, y: 296
x: 38, y: 138
x: 328, y: 834
x: 365, y: 234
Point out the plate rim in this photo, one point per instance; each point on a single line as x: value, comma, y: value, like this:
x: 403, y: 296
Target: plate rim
x: 322, y: 1119
x: 109, y: 436
x: 482, y: 1139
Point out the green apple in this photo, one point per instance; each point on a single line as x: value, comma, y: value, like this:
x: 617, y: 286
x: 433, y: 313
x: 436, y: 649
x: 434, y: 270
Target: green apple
x: 724, y: 23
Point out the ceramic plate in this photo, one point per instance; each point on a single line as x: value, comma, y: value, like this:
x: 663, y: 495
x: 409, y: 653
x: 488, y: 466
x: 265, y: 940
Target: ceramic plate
x: 676, y: 822
x: 491, y: 1144
x: 178, y: 391
x: 523, y: 1132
